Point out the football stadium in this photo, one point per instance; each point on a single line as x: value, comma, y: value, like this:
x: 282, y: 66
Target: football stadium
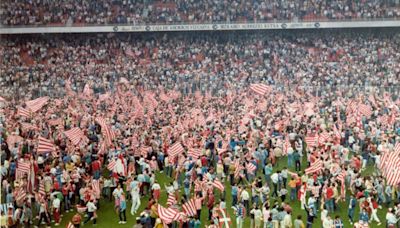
x: 200, y: 114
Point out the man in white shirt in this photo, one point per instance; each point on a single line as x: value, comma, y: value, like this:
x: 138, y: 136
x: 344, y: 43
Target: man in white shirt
x: 91, y: 209
x: 275, y: 181
x: 245, y: 196
x: 56, y: 210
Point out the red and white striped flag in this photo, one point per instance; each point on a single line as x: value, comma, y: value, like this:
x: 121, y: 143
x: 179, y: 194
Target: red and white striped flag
x: 175, y: 149
x: 365, y: 110
x: 20, y: 196
x: 111, y: 165
x: 238, y: 168
x: 23, y: 112
x: 260, y: 89
x: 44, y: 145
x: 218, y: 184
x: 96, y: 188
x: 194, y: 153
x: 171, y: 199
x: 251, y: 168
x: 393, y: 176
x: 37, y: 104
x: 190, y: 207
x: 23, y: 166
x: 311, y: 140
x: 106, y: 130
x: 75, y: 135
x: 166, y: 215
x: 314, y: 167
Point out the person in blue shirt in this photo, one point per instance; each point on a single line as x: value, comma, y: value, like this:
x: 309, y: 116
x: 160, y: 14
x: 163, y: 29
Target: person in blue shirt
x: 186, y: 186
x: 122, y: 209
x: 234, y: 192
x: 364, y: 216
x: 267, y: 172
x: 352, y: 208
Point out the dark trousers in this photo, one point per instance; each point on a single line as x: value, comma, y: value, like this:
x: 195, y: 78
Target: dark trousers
x: 275, y: 192
x: 298, y: 165
x: 90, y: 216
x: 122, y: 215
x: 45, y: 217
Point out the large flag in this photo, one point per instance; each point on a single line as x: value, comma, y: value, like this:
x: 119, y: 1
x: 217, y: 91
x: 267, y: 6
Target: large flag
x: 190, y: 207
x: 37, y: 104
x: 260, y: 89
x: 75, y: 135
x: 314, y: 167
x: 44, y: 145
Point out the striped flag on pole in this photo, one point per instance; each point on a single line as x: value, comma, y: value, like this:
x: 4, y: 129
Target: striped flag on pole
x: 260, y: 89
x: 44, y: 145
x: 250, y: 167
x: 36, y: 104
x: 111, y: 165
x: 171, y: 199
x: 75, y: 135
x: 166, y: 214
x: 190, y: 207
x: 218, y: 184
x: 23, y: 112
x: 365, y: 110
x: 194, y: 153
x: 314, y: 167
x: 108, y: 134
x: 175, y: 149
x: 96, y: 188
x: 311, y: 140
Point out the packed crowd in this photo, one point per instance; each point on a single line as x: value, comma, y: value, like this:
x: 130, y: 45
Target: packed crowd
x: 211, y: 112
x: 42, y: 12
x: 32, y: 66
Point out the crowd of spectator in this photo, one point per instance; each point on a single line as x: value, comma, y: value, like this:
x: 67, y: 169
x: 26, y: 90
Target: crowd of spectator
x: 33, y: 65
x: 69, y: 12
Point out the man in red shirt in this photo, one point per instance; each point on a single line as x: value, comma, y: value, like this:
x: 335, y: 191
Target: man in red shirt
x: 329, y: 198
x: 210, y: 204
x: 96, y: 166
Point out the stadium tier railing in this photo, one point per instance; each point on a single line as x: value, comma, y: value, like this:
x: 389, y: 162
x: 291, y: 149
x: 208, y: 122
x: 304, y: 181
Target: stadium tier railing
x: 221, y: 26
